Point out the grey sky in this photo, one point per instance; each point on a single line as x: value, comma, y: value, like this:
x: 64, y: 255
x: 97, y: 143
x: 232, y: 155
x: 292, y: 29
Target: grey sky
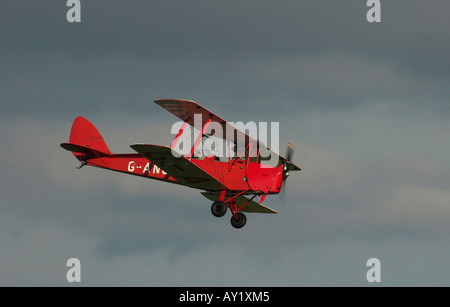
x: 367, y: 105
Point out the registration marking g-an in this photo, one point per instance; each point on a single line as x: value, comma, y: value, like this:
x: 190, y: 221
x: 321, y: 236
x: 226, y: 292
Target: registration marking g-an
x: 147, y: 169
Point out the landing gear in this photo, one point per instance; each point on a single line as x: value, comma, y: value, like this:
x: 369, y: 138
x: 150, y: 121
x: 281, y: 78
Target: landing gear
x: 218, y: 208
x: 238, y: 220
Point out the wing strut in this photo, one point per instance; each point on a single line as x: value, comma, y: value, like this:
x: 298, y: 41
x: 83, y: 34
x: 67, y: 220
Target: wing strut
x: 200, y: 136
x: 242, y: 207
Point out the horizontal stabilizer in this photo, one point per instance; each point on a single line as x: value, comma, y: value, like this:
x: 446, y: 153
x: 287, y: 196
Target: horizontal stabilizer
x: 88, y: 152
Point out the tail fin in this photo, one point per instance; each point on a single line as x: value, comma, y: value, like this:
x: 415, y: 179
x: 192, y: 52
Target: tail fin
x: 85, y: 141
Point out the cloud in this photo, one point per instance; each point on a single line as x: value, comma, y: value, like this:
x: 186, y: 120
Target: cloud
x: 116, y: 224
x: 119, y: 58
x: 419, y: 208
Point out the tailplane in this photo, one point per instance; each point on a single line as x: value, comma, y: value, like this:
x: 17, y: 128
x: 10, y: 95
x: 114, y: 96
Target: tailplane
x: 85, y: 141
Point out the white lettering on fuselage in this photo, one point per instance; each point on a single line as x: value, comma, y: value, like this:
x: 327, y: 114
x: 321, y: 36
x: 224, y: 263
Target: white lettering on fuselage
x: 149, y: 169
x: 131, y: 166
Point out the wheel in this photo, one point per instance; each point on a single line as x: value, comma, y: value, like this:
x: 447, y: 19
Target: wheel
x: 239, y: 221
x: 218, y: 208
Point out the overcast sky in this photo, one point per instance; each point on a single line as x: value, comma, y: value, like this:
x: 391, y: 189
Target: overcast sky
x: 367, y: 105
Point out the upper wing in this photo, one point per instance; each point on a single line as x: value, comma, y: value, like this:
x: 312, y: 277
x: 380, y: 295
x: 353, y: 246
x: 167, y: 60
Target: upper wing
x: 180, y: 168
x: 252, y: 206
x: 186, y: 109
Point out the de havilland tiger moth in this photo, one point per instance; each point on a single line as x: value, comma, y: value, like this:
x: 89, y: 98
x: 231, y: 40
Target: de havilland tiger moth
x: 239, y: 183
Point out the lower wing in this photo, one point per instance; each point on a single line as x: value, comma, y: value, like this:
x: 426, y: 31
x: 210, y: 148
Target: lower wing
x: 180, y: 168
x: 251, y: 206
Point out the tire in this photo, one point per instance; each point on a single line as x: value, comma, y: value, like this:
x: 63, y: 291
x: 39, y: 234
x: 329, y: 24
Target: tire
x: 239, y: 221
x: 218, y: 208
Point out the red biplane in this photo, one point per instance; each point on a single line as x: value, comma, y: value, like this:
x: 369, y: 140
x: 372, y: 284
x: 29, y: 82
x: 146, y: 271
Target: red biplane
x: 231, y: 183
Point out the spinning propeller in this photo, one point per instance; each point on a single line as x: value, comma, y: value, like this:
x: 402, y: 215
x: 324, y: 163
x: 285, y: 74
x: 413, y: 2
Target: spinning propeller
x: 290, y: 149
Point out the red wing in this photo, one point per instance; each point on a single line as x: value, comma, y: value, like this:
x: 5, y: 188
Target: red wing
x: 183, y: 170
x: 186, y: 109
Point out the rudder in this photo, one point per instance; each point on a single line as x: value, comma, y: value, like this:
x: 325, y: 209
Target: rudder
x: 85, y: 141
